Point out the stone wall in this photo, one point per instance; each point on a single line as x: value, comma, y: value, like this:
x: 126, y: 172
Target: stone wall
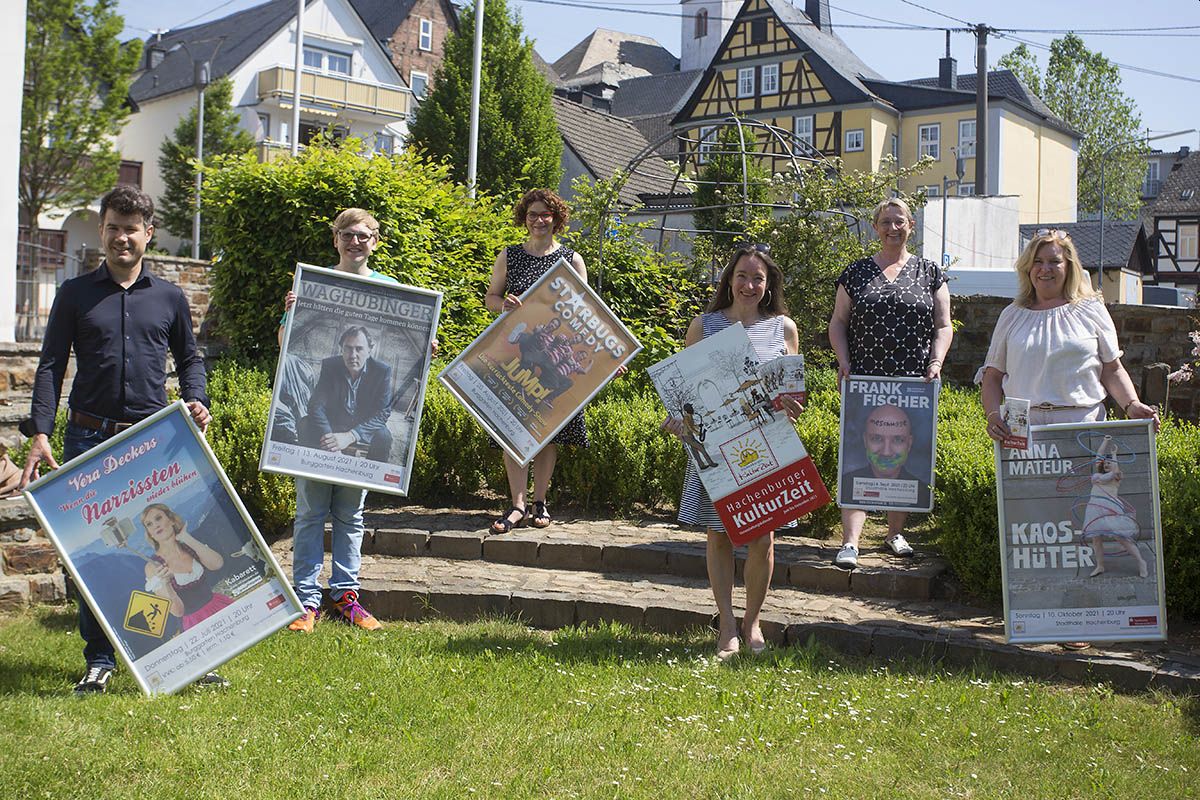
x: 191, y: 276
x: 1147, y: 334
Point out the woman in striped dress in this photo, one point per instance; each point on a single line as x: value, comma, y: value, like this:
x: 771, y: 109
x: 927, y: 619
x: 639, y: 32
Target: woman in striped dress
x: 750, y: 291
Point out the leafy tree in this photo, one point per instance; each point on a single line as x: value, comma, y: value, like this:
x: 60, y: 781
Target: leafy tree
x: 519, y: 144
x: 825, y: 228
x: 222, y: 134
x: 1084, y: 89
x: 729, y: 197
x: 655, y: 294
x: 263, y: 218
x: 77, y: 77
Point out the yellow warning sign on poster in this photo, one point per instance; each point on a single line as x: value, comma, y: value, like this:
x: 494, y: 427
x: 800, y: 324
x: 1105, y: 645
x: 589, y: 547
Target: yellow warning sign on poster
x: 147, y: 614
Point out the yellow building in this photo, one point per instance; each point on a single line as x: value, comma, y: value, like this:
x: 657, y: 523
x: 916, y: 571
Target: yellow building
x: 786, y: 67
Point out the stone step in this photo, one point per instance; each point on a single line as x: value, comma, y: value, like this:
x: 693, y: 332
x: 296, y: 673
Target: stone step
x: 423, y: 587
x: 651, y: 548
x: 15, y: 513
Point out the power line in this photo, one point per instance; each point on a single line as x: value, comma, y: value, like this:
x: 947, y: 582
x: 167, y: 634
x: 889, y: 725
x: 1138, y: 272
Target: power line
x: 932, y: 11
x: 205, y: 14
x: 1131, y: 67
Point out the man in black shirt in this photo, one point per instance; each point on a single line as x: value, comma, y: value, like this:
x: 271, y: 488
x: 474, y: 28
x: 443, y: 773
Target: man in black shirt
x: 121, y: 321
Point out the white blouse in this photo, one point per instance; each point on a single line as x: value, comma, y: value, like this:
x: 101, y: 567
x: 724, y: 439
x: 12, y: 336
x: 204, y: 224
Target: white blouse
x: 1054, y: 356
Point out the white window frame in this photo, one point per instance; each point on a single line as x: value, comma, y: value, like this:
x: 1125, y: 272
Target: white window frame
x: 855, y: 140
x: 707, y: 142
x: 425, y: 35
x: 810, y: 122
x: 264, y: 122
x: 966, y: 190
x: 413, y: 74
x: 929, y: 141
x: 933, y: 190
x: 966, y: 143
x: 770, y: 79
x: 896, y: 146
x: 323, y: 57
x: 388, y: 139
x: 745, y: 82
x: 1187, y: 236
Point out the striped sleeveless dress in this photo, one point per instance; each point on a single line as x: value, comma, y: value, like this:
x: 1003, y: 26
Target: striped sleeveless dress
x: 766, y: 337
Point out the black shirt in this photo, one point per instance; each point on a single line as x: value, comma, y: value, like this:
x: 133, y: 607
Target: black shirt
x: 120, y: 337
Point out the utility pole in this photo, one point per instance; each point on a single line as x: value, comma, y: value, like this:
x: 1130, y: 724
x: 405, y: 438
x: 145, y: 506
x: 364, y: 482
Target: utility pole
x: 296, y: 77
x: 981, y: 109
x: 476, y: 69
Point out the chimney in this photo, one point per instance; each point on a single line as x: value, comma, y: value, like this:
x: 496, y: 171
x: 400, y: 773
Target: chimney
x: 948, y: 69
x: 817, y: 12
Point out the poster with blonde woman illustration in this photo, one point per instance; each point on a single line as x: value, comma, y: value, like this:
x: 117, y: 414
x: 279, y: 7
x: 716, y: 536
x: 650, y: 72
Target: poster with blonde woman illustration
x: 162, y: 550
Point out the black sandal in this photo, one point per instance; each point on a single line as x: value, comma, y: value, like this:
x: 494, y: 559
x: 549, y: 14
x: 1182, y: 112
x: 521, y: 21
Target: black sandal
x: 540, y: 517
x: 504, y: 524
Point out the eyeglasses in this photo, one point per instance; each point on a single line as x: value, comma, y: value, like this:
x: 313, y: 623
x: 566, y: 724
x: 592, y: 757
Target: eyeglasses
x: 534, y: 216
x: 753, y: 247
x: 356, y: 236
x: 1054, y: 233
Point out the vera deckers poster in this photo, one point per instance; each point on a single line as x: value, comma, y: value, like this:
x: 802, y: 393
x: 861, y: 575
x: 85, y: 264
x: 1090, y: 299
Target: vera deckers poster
x: 162, y: 549
x: 537, y: 366
x: 747, y: 454
x: 351, y: 380
x: 888, y: 443
x: 1080, y: 536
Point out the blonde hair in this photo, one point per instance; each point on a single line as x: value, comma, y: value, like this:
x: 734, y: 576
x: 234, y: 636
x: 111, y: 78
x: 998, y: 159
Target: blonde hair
x: 1078, y: 285
x: 354, y: 216
x: 892, y: 201
x: 176, y: 520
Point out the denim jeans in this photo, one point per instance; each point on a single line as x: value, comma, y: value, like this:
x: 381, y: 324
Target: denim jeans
x: 314, y: 502
x: 97, y: 649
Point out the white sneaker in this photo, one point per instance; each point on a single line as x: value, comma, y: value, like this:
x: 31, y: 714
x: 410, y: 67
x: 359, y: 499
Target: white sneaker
x: 899, y: 545
x: 847, y: 557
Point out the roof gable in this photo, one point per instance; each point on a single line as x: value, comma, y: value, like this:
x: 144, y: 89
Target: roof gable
x: 603, y: 46
x: 1003, y: 84
x: 1174, y: 199
x: 384, y: 17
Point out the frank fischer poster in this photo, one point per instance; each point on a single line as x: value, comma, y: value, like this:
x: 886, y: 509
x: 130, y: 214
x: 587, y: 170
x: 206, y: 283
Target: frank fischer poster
x: 749, y: 458
x: 351, y: 380
x: 163, y: 551
x: 888, y: 442
x: 1080, y: 534
x: 536, y: 366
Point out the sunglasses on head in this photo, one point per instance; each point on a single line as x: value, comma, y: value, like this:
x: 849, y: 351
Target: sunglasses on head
x: 753, y: 247
x: 1053, y: 233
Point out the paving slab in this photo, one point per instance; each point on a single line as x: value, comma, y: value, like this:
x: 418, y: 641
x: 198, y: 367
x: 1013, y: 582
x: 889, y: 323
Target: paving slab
x: 654, y: 547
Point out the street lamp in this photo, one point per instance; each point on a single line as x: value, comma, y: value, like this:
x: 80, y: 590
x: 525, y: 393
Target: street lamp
x: 476, y: 69
x: 960, y: 169
x: 1103, y: 157
x: 202, y: 77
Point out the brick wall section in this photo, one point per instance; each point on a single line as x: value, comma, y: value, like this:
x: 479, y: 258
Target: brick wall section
x: 1147, y: 334
x: 404, y: 47
x: 192, y: 277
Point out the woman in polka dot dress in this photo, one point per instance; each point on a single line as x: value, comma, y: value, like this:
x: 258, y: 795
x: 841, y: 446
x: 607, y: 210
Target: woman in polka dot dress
x: 543, y: 214
x: 891, y: 318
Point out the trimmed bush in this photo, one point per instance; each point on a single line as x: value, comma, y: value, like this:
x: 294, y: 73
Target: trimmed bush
x: 241, y: 401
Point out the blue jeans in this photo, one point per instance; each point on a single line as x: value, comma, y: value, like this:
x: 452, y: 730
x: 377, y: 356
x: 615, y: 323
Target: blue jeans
x: 97, y: 649
x: 314, y: 502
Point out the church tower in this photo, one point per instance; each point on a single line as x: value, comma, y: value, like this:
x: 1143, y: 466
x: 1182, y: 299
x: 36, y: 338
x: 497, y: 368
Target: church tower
x: 703, y: 26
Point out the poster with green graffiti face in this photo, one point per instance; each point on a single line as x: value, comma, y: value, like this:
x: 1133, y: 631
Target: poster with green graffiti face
x: 1080, y: 536
x: 888, y: 443
x: 537, y: 366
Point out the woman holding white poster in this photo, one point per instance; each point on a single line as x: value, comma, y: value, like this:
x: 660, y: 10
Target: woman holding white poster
x: 1056, y: 345
x: 543, y: 214
x: 891, y: 318
x: 750, y: 291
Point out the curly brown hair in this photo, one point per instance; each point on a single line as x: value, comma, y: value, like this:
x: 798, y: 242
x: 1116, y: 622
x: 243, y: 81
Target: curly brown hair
x: 562, y: 213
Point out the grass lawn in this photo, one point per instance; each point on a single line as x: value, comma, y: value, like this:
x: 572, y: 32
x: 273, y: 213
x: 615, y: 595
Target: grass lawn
x: 493, y: 709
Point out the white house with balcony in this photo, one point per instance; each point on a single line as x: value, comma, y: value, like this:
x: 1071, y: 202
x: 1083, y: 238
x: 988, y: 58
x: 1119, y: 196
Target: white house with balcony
x: 348, y: 85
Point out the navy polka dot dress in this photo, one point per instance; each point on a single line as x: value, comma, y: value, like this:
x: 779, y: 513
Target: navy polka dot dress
x: 891, y: 322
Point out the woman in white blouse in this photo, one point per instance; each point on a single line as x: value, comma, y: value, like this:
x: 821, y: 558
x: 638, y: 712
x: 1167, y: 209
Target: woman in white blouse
x: 1056, y: 346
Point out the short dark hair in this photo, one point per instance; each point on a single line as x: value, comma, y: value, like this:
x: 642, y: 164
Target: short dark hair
x: 354, y: 331
x: 127, y: 199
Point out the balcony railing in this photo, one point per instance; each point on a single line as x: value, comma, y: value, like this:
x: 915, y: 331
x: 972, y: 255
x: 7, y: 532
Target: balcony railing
x: 335, y: 92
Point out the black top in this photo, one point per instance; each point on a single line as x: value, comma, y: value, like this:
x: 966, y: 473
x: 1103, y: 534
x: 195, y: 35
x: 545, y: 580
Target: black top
x: 120, y: 337
x: 891, y: 322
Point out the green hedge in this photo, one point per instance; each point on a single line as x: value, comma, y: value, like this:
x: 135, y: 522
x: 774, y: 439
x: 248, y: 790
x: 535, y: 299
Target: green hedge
x: 1179, y: 494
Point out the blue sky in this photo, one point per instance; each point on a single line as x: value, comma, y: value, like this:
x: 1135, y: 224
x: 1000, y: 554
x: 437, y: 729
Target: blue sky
x: 1166, y: 104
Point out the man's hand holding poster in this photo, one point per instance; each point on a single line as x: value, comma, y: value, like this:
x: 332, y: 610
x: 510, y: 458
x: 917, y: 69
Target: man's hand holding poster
x: 749, y: 458
x: 351, y: 380
x: 536, y: 366
x: 888, y: 443
x: 1080, y: 536
x: 162, y: 549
